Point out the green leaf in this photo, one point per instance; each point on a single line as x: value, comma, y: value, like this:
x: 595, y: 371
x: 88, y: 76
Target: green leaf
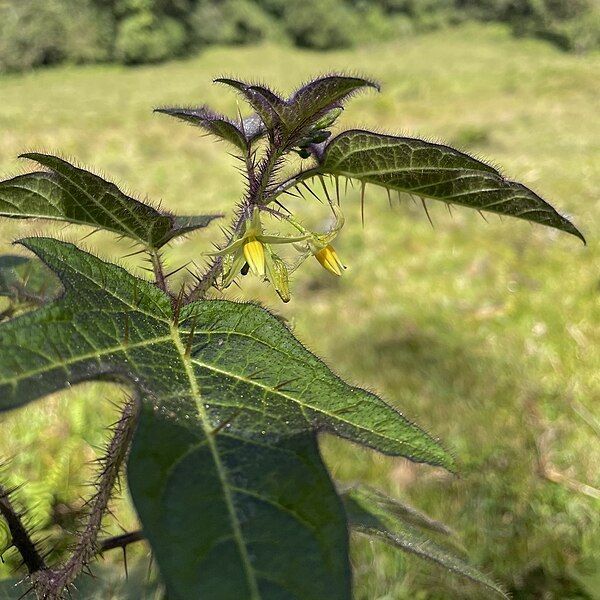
x: 24, y: 279
x: 324, y: 93
x: 216, y: 124
x: 434, y: 171
x: 367, y: 514
x: 230, y: 388
x: 296, y: 115
x: 75, y: 195
x: 280, y: 526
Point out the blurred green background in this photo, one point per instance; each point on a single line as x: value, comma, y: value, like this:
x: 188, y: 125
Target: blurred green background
x: 43, y: 32
x: 485, y: 333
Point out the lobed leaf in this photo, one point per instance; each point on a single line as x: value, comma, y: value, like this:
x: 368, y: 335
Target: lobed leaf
x: 216, y: 124
x: 236, y: 399
x: 434, y: 171
x: 368, y: 515
x: 75, y: 195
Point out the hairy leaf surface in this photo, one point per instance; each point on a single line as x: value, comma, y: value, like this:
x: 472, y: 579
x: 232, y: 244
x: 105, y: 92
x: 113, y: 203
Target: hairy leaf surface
x: 216, y: 124
x: 68, y: 193
x: 226, y: 388
x: 368, y: 514
x: 434, y: 171
x: 294, y: 115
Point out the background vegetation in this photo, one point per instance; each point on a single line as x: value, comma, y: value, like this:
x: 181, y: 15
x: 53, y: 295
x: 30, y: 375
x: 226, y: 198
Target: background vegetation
x: 43, y: 32
x: 486, y: 333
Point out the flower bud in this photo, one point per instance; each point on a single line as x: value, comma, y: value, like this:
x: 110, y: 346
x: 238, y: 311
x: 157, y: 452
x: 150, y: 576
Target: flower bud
x: 329, y: 260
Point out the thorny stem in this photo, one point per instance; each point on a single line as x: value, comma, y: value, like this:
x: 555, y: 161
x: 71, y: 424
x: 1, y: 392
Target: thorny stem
x: 259, y: 180
x: 159, y: 274
x: 49, y: 584
x: 20, y: 537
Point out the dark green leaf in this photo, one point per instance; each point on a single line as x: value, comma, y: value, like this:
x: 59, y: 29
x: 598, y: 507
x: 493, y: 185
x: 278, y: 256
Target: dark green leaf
x: 225, y: 384
x: 368, y: 515
x: 290, y: 533
x: 71, y: 194
x: 216, y: 124
x: 434, y: 171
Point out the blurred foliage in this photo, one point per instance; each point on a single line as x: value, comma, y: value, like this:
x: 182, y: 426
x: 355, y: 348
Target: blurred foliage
x: 485, y: 321
x: 43, y: 32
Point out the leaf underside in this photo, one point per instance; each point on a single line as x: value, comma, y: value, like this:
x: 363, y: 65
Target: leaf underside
x: 433, y: 171
x: 372, y: 516
x: 226, y: 389
x: 68, y: 193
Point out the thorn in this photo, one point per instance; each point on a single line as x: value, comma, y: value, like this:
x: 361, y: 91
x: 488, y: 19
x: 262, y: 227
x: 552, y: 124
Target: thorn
x: 282, y: 207
x: 176, y: 270
x: 483, y: 216
x: 281, y: 385
x: 177, y: 307
x: 449, y: 209
x: 125, y: 562
x: 427, y: 212
x: 337, y: 190
x: 317, y: 197
x: 399, y: 198
x: 91, y: 233
x: 190, y: 340
x: 322, y: 180
x: 389, y: 195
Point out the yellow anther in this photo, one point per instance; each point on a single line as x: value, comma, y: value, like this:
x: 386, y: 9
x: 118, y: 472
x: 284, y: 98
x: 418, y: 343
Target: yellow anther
x: 330, y: 260
x: 254, y: 253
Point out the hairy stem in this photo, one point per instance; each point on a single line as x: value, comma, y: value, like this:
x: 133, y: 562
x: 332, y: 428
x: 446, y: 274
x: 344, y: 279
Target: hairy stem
x: 159, y: 274
x: 51, y: 584
x: 20, y: 537
x: 259, y: 181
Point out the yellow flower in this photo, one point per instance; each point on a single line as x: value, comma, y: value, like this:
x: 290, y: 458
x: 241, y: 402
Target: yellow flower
x: 254, y: 253
x: 329, y: 260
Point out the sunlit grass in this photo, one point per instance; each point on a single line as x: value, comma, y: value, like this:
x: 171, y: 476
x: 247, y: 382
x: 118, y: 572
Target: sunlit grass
x: 487, y: 334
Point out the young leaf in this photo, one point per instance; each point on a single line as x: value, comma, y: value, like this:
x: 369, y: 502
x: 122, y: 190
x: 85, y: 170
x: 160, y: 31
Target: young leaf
x: 434, y: 171
x: 294, y: 116
x: 216, y: 124
x: 324, y: 93
x: 71, y: 194
x: 222, y: 382
x: 368, y: 515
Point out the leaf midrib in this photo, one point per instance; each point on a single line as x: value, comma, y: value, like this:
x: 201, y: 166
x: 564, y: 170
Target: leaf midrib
x: 208, y: 433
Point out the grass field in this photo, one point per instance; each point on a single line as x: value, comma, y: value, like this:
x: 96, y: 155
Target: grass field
x: 487, y: 334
